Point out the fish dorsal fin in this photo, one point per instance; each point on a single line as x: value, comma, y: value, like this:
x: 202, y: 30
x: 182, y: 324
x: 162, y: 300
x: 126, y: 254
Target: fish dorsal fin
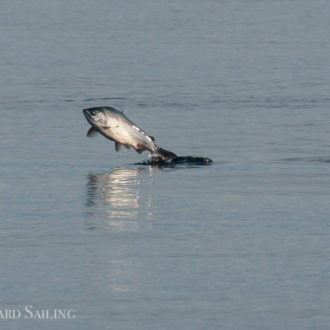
x: 117, y: 146
x: 152, y: 138
x: 92, y: 132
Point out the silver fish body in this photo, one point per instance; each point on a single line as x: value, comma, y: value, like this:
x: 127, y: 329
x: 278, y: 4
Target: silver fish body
x: 114, y: 125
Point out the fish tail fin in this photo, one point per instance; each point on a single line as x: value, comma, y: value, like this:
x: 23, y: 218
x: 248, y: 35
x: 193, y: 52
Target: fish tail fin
x: 165, y: 154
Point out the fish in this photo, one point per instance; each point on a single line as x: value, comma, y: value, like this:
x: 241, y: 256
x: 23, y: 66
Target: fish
x: 115, y: 126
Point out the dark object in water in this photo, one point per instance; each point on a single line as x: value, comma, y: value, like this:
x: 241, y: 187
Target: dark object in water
x: 179, y: 160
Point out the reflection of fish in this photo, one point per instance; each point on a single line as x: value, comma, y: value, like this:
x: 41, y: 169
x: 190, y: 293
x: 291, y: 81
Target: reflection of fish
x: 115, y: 126
x: 120, y: 199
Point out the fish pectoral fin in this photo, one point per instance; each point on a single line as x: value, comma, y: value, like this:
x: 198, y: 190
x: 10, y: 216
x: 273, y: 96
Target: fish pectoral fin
x: 152, y: 138
x: 92, y: 132
x: 117, y: 146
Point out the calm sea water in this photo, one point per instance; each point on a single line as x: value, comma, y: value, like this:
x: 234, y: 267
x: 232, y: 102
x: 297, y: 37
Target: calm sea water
x: 241, y: 244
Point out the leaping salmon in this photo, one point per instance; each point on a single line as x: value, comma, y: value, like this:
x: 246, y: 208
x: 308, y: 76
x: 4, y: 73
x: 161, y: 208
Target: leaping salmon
x: 114, y: 125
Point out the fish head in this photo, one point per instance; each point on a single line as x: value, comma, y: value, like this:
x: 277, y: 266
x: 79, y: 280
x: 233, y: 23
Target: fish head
x: 98, y: 117
x: 104, y: 120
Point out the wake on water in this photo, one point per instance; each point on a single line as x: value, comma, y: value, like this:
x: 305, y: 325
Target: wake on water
x: 179, y: 160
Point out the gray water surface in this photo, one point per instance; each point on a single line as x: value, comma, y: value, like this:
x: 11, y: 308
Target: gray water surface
x: 241, y: 244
